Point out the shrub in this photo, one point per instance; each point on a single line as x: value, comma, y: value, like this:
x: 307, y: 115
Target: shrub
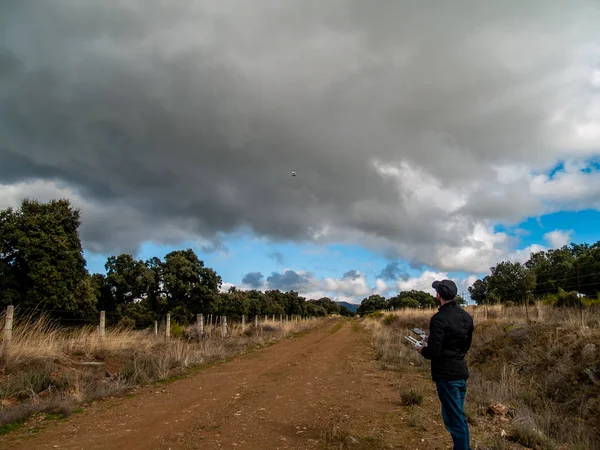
x: 411, y: 397
x: 126, y: 322
x: 567, y: 299
x: 176, y: 329
x: 375, y: 315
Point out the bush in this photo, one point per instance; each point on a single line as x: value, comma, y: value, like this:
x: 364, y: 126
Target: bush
x: 389, y: 319
x: 126, y: 322
x: 375, y: 315
x: 567, y: 299
x: 177, y: 330
x: 411, y: 397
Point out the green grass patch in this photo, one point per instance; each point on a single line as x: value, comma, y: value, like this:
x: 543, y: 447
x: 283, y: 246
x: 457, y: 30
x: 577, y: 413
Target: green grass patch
x: 10, y: 427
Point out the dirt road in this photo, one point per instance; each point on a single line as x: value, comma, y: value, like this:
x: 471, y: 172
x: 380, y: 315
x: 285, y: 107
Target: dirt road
x: 318, y: 391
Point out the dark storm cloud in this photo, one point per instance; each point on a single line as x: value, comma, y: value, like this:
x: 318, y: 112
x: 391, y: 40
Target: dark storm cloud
x: 253, y: 279
x: 177, y: 120
x: 392, y: 271
x: 287, y: 281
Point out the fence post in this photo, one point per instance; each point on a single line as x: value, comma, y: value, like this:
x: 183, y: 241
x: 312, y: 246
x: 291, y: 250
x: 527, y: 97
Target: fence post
x: 200, y: 321
x: 265, y: 317
x: 243, y: 322
x: 280, y: 319
x: 102, y: 323
x: 256, y: 321
x: 223, y: 326
x: 273, y: 317
x: 8, y: 326
x: 156, y: 328
x: 168, y: 326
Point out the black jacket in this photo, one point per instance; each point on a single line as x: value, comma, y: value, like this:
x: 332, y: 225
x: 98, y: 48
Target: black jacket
x: 450, y: 336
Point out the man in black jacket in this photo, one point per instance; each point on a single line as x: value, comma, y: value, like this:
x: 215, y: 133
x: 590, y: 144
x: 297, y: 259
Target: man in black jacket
x: 450, y: 335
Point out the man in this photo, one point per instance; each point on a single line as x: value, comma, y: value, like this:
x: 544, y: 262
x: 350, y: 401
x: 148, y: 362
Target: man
x: 450, y: 335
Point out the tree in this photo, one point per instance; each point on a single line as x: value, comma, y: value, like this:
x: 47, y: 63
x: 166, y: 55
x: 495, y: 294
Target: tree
x: 412, y: 299
x: 479, y: 290
x: 41, y: 258
x: 459, y: 300
x: 190, y: 287
x: 346, y: 312
x: 127, y: 279
x: 329, y: 305
x: 510, y: 281
x: 371, y: 304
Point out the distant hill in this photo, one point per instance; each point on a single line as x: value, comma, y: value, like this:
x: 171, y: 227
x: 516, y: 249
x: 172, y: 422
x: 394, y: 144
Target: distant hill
x: 351, y: 306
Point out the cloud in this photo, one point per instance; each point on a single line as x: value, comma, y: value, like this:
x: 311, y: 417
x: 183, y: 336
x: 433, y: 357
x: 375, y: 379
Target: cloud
x: 392, y: 271
x: 353, y: 288
x: 277, y: 257
x: 253, y: 279
x: 225, y: 287
x: 558, y: 238
x: 182, y: 121
x: 422, y: 282
x: 289, y: 280
x: 351, y: 275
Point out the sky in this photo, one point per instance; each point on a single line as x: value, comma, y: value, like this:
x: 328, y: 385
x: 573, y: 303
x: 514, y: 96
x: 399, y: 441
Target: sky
x: 430, y: 140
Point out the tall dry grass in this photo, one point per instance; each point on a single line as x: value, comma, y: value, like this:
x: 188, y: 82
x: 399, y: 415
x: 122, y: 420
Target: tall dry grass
x: 537, y: 368
x: 42, y: 369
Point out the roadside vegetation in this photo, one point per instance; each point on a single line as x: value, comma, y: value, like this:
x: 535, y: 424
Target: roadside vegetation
x: 51, y: 371
x: 533, y: 383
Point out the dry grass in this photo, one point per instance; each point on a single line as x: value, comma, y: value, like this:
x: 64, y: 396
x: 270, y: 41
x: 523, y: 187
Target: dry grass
x: 42, y: 372
x: 411, y: 397
x: 388, y: 335
x: 536, y: 369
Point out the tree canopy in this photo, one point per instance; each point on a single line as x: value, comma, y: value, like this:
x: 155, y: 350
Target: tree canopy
x: 559, y: 276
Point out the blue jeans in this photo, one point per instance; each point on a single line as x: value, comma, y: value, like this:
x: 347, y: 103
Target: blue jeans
x: 452, y: 397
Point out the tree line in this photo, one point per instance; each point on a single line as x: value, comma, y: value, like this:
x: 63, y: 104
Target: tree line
x: 405, y: 299
x: 42, y: 268
x: 564, y: 276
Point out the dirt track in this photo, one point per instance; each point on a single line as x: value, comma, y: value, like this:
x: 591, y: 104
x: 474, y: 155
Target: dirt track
x: 321, y: 390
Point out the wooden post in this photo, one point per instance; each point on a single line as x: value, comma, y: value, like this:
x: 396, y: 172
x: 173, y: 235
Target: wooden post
x: 243, y: 322
x: 156, y: 328
x: 102, y: 324
x: 200, y: 320
x: 168, y: 326
x: 8, y: 326
x: 256, y: 321
x: 223, y: 326
x: 579, y: 297
x: 280, y: 319
x: 273, y: 317
x: 265, y: 317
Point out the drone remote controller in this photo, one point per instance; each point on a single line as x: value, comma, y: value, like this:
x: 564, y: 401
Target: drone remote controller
x: 417, y: 343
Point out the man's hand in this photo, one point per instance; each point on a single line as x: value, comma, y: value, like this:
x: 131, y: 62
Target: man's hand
x: 419, y: 348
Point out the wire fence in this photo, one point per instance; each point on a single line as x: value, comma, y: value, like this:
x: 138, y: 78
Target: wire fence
x: 101, y: 323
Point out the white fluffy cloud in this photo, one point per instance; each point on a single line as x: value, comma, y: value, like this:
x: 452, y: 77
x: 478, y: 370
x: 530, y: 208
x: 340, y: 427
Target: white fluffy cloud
x: 354, y: 288
x: 460, y: 216
x: 558, y: 238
